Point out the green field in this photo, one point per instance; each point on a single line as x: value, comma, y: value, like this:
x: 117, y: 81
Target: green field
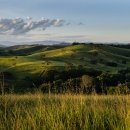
x: 64, y: 112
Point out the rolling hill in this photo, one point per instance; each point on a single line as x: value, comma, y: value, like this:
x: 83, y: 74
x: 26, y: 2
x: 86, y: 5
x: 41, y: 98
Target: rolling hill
x: 31, y: 60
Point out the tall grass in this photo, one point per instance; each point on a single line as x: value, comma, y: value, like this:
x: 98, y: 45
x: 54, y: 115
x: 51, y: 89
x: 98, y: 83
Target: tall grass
x: 64, y: 112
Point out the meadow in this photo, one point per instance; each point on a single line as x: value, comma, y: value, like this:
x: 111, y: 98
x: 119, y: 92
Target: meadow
x: 64, y: 112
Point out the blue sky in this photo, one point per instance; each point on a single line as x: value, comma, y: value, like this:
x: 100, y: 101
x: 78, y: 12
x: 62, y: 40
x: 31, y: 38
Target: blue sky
x: 83, y: 20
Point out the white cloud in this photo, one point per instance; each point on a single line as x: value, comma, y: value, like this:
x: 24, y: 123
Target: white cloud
x: 21, y: 26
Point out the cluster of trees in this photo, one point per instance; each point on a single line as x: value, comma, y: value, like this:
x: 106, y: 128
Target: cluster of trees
x: 82, y: 80
x: 76, y: 80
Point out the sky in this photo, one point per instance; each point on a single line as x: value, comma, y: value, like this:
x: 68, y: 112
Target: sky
x: 65, y: 20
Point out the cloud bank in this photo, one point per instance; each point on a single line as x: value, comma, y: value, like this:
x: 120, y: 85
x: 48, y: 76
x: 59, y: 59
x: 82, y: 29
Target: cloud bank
x: 21, y: 26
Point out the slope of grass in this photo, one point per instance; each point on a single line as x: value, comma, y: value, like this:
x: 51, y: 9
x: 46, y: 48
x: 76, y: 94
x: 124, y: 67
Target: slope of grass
x: 64, y: 112
x: 116, y: 50
x: 55, y: 56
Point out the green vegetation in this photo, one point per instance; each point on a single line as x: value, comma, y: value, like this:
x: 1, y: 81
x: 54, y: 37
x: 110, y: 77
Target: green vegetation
x: 60, y: 68
x: 64, y: 112
x: 64, y: 75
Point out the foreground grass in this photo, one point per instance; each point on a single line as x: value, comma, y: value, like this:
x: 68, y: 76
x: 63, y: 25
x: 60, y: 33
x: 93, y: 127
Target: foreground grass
x: 64, y: 112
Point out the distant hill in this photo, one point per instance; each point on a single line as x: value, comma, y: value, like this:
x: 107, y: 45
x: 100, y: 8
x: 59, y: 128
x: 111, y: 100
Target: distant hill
x: 2, y: 46
x: 7, y: 43
x: 46, y: 42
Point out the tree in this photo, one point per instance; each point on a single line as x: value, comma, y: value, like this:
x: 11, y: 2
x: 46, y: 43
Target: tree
x: 87, y: 84
x: 104, y: 79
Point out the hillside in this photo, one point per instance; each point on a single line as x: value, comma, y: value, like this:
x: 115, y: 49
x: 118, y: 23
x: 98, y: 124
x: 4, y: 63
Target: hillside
x: 29, y: 61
